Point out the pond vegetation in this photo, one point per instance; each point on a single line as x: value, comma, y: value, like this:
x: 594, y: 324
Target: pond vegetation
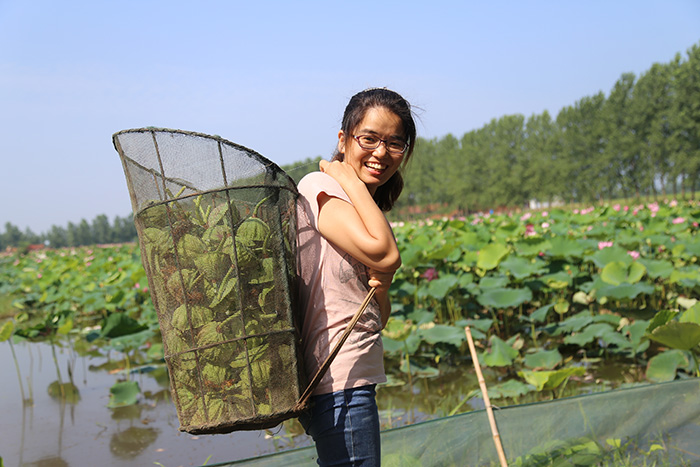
x: 560, y: 302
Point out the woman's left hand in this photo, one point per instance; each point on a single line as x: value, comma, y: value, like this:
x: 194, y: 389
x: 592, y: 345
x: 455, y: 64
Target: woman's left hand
x: 382, y: 281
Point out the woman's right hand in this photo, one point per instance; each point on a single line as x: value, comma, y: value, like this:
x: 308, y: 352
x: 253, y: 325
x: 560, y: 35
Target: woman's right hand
x: 342, y: 172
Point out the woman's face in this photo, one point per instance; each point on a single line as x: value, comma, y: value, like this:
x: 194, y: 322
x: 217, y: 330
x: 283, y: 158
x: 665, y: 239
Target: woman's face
x: 373, y: 166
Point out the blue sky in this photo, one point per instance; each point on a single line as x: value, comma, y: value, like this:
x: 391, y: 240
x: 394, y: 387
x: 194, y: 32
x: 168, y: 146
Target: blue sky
x: 275, y: 76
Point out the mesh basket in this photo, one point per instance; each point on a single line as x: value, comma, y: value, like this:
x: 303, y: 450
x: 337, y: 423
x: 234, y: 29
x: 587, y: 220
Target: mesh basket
x: 217, y: 227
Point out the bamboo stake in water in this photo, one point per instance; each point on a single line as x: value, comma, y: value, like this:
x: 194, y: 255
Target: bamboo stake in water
x: 487, y: 402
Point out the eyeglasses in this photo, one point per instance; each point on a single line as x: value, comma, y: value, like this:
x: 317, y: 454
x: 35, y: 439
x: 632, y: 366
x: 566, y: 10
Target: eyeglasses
x: 395, y: 147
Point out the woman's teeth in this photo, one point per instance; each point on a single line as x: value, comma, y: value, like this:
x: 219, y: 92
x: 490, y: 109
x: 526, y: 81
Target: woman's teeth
x: 374, y: 165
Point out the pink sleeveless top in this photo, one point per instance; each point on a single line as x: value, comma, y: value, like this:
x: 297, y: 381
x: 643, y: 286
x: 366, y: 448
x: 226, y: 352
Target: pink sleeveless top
x: 333, y: 285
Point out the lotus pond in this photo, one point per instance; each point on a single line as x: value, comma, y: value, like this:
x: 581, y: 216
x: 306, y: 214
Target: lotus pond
x: 560, y: 302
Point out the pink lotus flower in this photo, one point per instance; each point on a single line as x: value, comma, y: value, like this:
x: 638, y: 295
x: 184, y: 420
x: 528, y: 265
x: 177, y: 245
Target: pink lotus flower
x: 545, y: 213
x: 679, y: 220
x: 626, y: 208
x: 137, y: 285
x: 616, y: 207
x: 39, y: 276
x: 545, y: 225
x: 602, y: 245
x: 673, y: 203
x: 695, y: 224
x: 633, y: 254
x: 526, y: 216
x: 430, y: 274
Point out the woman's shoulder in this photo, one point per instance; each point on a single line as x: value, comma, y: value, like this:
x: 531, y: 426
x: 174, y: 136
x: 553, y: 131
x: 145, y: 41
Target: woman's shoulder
x: 316, y: 182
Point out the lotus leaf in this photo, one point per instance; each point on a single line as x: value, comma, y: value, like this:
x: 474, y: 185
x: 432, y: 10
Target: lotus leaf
x: 441, y: 333
x: 657, y: 268
x: 491, y: 255
x: 439, y: 288
x: 532, y: 246
x: 663, y: 367
x: 618, y: 272
x: 543, y: 359
x: 500, y: 298
x: 510, y: 389
x: 691, y: 315
x: 500, y: 354
x: 565, y: 248
x: 397, y: 329
x: 683, y: 336
x: 540, y: 314
x: 608, y: 255
x: 549, y: 380
x: 521, y: 268
x: 589, y: 334
x: 123, y: 393
x: 6, y: 330
x: 199, y: 316
x: 492, y: 282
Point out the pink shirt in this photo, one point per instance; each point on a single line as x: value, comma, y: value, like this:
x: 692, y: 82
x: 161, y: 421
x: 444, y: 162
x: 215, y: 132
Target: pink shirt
x: 333, y: 285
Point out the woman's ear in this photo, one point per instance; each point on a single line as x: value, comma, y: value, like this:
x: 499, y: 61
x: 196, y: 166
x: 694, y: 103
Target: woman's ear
x: 341, y: 142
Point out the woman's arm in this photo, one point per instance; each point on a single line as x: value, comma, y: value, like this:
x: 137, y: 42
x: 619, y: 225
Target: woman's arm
x: 360, y: 228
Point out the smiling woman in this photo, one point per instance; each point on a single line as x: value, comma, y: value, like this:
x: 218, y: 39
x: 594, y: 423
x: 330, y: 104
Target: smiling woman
x: 347, y: 249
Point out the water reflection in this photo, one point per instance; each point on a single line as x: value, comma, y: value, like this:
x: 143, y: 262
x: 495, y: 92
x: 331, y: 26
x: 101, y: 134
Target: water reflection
x: 54, y: 413
x: 131, y: 442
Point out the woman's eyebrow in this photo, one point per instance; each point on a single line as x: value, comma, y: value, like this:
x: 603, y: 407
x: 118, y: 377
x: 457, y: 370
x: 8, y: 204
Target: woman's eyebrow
x: 372, y: 132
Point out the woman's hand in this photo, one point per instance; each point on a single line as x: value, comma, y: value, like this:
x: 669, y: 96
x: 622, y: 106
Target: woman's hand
x: 343, y: 173
x: 382, y: 281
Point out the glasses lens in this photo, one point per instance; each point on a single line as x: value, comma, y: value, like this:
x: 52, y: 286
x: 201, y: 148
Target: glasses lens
x: 368, y: 142
x: 396, y: 147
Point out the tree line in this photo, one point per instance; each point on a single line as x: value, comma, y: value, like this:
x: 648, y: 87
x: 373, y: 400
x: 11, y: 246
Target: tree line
x: 642, y: 139
x: 99, y: 231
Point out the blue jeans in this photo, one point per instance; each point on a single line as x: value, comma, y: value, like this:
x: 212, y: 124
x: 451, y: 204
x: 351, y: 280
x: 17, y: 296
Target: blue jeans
x: 345, y: 427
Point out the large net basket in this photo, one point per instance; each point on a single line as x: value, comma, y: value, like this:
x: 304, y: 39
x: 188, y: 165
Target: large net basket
x: 217, y: 229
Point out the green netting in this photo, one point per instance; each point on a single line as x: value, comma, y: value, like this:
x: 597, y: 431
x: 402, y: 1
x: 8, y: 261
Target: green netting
x: 644, y: 425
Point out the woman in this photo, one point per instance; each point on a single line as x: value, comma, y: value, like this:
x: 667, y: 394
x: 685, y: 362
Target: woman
x: 346, y: 246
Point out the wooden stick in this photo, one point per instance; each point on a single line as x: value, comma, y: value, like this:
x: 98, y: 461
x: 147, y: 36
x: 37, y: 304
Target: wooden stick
x: 487, y: 402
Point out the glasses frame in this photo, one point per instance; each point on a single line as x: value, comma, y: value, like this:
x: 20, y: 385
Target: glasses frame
x: 386, y: 145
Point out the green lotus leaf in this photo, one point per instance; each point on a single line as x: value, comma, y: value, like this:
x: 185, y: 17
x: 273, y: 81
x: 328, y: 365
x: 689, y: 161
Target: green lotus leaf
x: 510, y: 389
x: 677, y: 335
x: 565, y: 248
x: 521, y: 268
x: 608, y: 255
x: 492, y: 282
x: 540, y: 314
x: 439, y: 288
x: 545, y: 359
x: 397, y: 329
x: 199, y: 316
x: 123, y: 393
x: 618, y: 272
x: 589, y: 334
x: 6, y: 330
x: 691, y: 315
x: 663, y: 367
x: 500, y: 354
x: 212, y: 265
x: 491, y: 255
x: 532, y: 246
x: 548, y: 380
x: 557, y: 281
x: 657, y: 268
x: 504, y: 297
x: 441, y: 333
x: 252, y: 231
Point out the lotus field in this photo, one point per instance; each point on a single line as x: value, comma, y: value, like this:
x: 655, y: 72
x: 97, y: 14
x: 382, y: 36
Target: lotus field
x: 545, y: 293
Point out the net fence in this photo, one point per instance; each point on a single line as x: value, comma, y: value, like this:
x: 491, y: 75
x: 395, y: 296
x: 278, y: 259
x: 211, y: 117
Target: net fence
x: 643, y: 425
x: 217, y: 229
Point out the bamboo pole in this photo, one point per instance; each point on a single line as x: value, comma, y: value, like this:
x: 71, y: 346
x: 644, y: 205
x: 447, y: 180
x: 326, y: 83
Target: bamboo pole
x: 487, y: 402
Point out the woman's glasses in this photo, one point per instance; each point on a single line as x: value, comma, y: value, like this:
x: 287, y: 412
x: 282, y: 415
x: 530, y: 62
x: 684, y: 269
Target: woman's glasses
x: 395, y: 147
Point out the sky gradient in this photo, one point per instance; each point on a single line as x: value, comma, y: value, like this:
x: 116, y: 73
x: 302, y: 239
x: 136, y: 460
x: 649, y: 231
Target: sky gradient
x: 275, y: 76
